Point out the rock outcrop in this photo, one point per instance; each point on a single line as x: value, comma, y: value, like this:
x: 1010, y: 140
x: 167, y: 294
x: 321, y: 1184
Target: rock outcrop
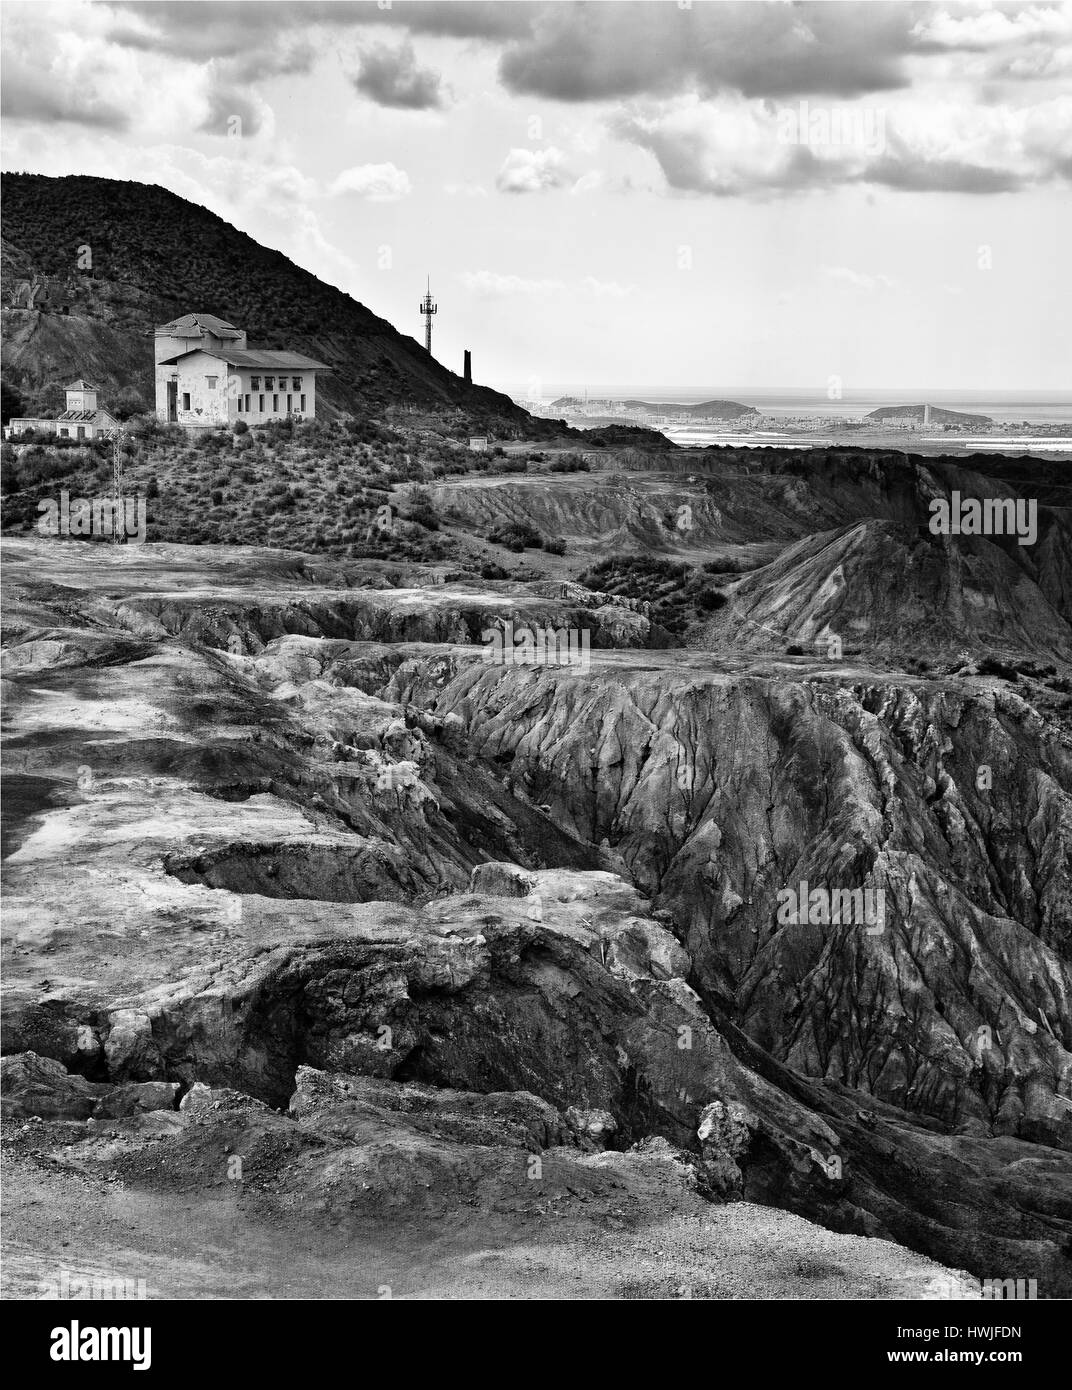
x: 451, y: 918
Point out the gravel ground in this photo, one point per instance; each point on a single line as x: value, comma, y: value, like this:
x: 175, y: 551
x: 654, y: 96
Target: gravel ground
x: 207, y: 1247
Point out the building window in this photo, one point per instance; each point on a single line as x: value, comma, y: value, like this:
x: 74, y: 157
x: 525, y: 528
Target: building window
x: 303, y: 405
x: 186, y: 400
x: 247, y: 402
x: 211, y: 382
x: 255, y: 383
x: 295, y: 381
x: 66, y: 433
x: 260, y: 404
x: 290, y: 405
x: 269, y: 383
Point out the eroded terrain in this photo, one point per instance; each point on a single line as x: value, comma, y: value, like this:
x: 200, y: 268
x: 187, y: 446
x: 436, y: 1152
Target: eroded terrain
x: 478, y: 970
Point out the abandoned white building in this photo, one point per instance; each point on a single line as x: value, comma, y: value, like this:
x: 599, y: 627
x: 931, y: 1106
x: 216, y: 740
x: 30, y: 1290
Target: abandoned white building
x: 207, y: 377
x: 82, y: 419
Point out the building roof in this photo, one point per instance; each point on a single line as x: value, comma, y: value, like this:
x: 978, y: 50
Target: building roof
x: 282, y: 361
x: 194, y: 325
x: 80, y: 386
x: 84, y: 417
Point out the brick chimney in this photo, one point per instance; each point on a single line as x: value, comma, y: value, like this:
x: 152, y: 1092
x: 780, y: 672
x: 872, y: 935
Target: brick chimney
x: 467, y: 368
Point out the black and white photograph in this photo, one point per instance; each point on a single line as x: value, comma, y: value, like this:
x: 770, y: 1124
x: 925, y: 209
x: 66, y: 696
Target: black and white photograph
x: 537, y: 665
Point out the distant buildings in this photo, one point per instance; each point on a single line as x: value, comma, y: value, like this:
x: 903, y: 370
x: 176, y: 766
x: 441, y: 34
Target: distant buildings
x: 82, y: 419
x: 478, y: 444
x: 207, y: 377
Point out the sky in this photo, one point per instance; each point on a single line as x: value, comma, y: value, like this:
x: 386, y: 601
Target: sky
x: 699, y: 196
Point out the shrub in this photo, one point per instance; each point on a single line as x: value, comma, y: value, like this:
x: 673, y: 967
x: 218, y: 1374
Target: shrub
x: 240, y: 427
x: 516, y: 536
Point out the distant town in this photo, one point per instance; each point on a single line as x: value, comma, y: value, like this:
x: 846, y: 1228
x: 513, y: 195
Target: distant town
x: 705, y: 421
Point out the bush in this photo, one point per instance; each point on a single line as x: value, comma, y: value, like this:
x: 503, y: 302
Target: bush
x: 516, y: 536
x: 423, y: 516
x: 710, y: 599
x: 240, y: 427
x: 555, y: 545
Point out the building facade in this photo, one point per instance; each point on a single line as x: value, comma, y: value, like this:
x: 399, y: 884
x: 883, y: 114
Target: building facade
x: 207, y: 377
x: 83, y: 418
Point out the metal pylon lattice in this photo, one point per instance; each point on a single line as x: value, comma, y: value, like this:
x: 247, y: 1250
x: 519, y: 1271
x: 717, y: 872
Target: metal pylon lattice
x: 428, y: 308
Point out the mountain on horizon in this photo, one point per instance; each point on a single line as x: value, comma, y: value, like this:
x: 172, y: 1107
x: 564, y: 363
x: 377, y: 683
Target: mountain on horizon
x: 937, y: 415
x: 103, y: 261
x: 725, y: 410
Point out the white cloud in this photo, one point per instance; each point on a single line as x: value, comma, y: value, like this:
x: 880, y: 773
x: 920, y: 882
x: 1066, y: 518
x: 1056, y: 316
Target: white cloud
x: 992, y: 28
x: 912, y: 142
x: 589, y: 183
x: 379, y: 183
x: 857, y: 279
x: 488, y: 284
x: 605, y: 289
x: 533, y: 171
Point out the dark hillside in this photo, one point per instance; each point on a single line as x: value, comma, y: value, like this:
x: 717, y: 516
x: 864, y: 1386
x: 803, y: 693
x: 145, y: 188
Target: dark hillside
x: 153, y: 256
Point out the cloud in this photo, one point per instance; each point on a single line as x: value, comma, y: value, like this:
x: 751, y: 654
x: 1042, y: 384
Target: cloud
x: 859, y: 281
x: 234, y: 113
x: 61, y: 65
x: 461, y: 19
x: 740, y: 148
x: 533, y: 171
x: 605, y: 289
x: 233, y: 27
x: 630, y: 49
x: 391, y: 77
x: 487, y: 284
x: 619, y: 50
x: 590, y: 182
x: 379, y: 183
x: 982, y: 29
x: 34, y: 95
x: 724, y: 149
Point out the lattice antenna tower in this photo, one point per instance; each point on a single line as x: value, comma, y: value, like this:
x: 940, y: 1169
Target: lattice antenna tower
x: 428, y: 308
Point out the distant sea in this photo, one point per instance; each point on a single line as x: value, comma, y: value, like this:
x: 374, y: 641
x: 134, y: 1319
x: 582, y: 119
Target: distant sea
x: 1036, y: 407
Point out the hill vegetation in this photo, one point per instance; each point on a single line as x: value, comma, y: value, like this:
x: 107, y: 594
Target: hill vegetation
x: 110, y: 260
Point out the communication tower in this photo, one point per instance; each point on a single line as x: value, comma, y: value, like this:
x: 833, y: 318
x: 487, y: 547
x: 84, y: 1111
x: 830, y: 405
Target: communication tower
x: 428, y: 308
